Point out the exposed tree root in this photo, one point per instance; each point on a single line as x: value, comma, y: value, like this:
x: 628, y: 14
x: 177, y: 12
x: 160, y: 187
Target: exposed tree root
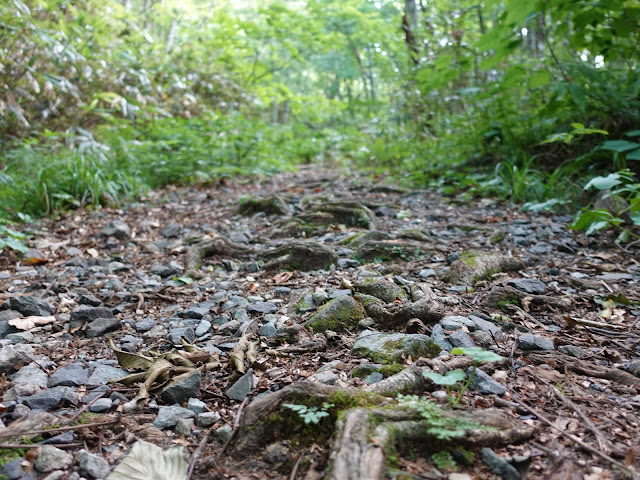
x: 395, y: 315
x: 300, y: 256
x: 502, y: 297
x: 366, y: 433
x: 473, y: 267
x: 215, y: 246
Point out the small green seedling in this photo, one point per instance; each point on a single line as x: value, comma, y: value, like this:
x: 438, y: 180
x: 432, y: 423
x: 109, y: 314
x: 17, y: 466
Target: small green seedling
x: 310, y: 414
x: 479, y: 355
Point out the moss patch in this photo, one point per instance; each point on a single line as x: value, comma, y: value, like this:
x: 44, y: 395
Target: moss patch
x: 339, y: 314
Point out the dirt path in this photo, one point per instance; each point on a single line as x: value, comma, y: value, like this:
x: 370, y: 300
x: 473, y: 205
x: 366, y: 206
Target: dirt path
x: 272, y: 326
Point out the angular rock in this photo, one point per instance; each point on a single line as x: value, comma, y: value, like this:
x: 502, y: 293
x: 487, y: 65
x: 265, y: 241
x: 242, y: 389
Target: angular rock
x: 198, y: 311
x: 173, y: 230
x: 182, y: 387
x: 454, y: 322
x: 572, y: 350
x: 529, y: 285
x: 13, y: 355
x: 51, y: 399
x: 117, y: 229
x: 94, y: 466
x: 528, y: 341
x: 72, y: 375
x: 439, y: 338
x: 86, y: 313
x: 196, y: 406
x: 381, y: 288
x: 374, y: 377
x: 271, y: 205
x: 207, y: 419
x: 90, y: 300
x: 484, y: 384
x: 393, y: 347
x: 101, y: 405
x: 487, y: 326
x: 263, y: 307
x: 223, y: 434
x: 103, y: 374
x: 243, y: 386
x: 32, y: 374
x: 100, y: 326
x: 339, y: 314
x: 51, y: 458
x: 499, y: 465
x: 461, y: 339
x: 169, y: 416
x: 184, y: 426
x: 29, y: 306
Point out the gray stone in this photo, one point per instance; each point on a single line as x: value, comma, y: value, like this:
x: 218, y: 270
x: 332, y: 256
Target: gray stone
x: 529, y: 285
x: 145, y: 325
x: 262, y: 307
x: 14, y: 355
x: 381, y: 288
x: 184, y: 426
x: 243, y: 386
x: 6, y: 315
x: 393, y: 347
x: 169, y: 416
x: 487, y: 326
x: 339, y: 293
x: 282, y: 291
x: 101, y: 405
x: 482, y: 339
x: 541, y: 247
x: 163, y: 270
x: 499, y: 465
x: 454, y: 322
x: 616, y: 277
x: 28, y: 306
x: 327, y: 377
x: 175, y: 334
x: 229, y: 328
x: 461, y: 339
x: 72, y: 375
x: 268, y: 330
x: 528, y: 341
x: 21, y: 337
x: 339, y: 314
x: 223, y: 434
x: 347, y: 263
x: 20, y: 411
x: 5, y: 328
x: 12, y: 470
x: 439, y: 338
x: 196, y: 406
x: 101, y: 326
x: 90, y: 300
x: 86, y: 313
x: 103, y: 374
x: 32, y: 374
x: 484, y: 384
x: 203, y: 328
x: 173, y: 230
x: 94, y: 466
x: 51, y: 458
x: 182, y: 387
x: 51, y: 399
x: 117, y: 229
x: 572, y: 350
x: 207, y: 419
x: 198, y: 311
x: 374, y: 377
x: 427, y: 273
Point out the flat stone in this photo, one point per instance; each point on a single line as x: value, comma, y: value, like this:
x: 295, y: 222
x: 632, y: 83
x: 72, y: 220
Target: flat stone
x: 51, y: 399
x: 90, y: 300
x: 529, y: 285
x: 117, y: 229
x: 528, y: 341
x: 169, y: 416
x: 572, y: 351
x: 381, y: 288
x: 207, y: 419
x: 198, y: 311
x: 541, y: 247
x: 427, y: 273
x: 184, y: 426
x: 223, y: 434
x: 339, y: 314
x: 86, y: 313
x: 72, y: 375
x: 461, y: 339
x: 327, y: 377
x: 175, y: 334
x: 454, y: 322
x: 262, y: 307
x: 393, y: 347
x: 6, y: 315
x: 339, y: 293
x: 487, y: 326
x: 615, y: 277
x: 243, y: 386
x: 182, y: 387
x: 229, y: 328
x: 145, y: 324
x: 28, y: 306
x: 484, y: 384
x: 51, y: 458
x: 203, y: 328
x: 374, y: 377
x: 268, y: 330
x: 101, y: 405
x: 100, y: 326
x: 103, y: 374
x: 32, y: 374
x: 173, y: 230
x: 13, y: 470
x: 94, y: 466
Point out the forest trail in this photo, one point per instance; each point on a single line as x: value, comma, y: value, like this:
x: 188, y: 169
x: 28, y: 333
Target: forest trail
x: 331, y: 293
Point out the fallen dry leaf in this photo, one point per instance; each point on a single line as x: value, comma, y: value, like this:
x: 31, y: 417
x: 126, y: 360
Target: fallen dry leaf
x: 27, y: 323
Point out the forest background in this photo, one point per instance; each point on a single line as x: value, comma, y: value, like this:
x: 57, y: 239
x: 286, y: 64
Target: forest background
x: 534, y: 101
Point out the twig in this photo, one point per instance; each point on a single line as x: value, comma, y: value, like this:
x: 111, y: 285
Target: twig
x: 576, y: 440
x: 36, y: 445
x: 140, y: 298
x: 83, y: 409
x: 196, y: 454
x: 236, y: 424
x: 604, y: 444
x: 60, y: 429
x: 591, y: 323
x: 295, y: 467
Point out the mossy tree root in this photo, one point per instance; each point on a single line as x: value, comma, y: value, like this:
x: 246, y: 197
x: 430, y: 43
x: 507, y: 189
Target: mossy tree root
x: 502, y: 297
x: 215, y: 246
x: 395, y: 315
x: 472, y: 268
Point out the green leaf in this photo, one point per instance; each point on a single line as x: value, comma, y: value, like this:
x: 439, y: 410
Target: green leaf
x: 450, y: 378
x: 596, y: 226
x: 16, y: 244
x: 635, y: 218
x: 633, y: 133
x: 477, y: 353
x: 619, y: 145
x: 539, y: 79
x: 541, y: 206
x: 635, y: 155
x: 185, y: 280
x: 604, y: 183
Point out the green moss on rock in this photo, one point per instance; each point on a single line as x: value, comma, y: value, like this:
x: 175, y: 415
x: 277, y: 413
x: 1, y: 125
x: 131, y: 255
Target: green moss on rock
x: 391, y: 348
x: 339, y: 314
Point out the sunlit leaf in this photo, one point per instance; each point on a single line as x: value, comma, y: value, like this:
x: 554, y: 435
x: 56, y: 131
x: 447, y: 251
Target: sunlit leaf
x: 477, y: 353
x: 450, y: 378
x: 146, y: 461
x: 604, y: 183
x: 619, y: 145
